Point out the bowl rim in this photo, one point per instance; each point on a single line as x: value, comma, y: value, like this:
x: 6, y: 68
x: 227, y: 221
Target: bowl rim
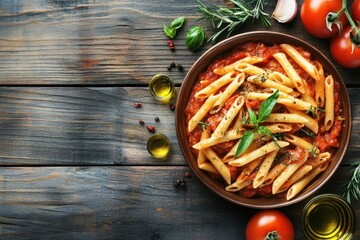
x: 229, y: 44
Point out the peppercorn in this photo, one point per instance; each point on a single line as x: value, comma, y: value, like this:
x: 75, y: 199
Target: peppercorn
x: 141, y: 122
x: 180, y: 67
x: 180, y: 183
x: 173, y: 64
x: 137, y: 105
x: 172, y: 107
x: 150, y: 128
x: 157, y: 119
x: 169, y: 67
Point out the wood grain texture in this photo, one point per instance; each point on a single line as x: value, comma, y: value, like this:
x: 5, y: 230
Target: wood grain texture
x: 93, y: 126
x: 108, y: 42
x: 122, y: 203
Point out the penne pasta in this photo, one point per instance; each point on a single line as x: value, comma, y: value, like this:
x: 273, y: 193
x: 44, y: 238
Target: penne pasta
x: 329, y: 102
x: 320, y: 87
x: 290, y: 71
x: 228, y: 136
x: 201, y: 113
x: 300, y: 142
x: 208, y: 167
x: 264, y: 169
x: 281, y: 78
x: 246, y: 158
x: 286, y: 174
x: 235, y: 187
x: 311, y: 123
x: 267, y: 83
x: 216, y: 85
x: 301, y: 184
x: 298, y: 174
x: 250, y: 69
x: 226, y: 69
x: 228, y: 118
x: 218, y: 164
x: 234, y: 85
x: 301, y: 61
x: 201, y: 157
x: 286, y: 118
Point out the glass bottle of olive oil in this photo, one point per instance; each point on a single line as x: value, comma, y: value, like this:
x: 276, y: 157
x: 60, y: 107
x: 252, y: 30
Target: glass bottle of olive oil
x: 328, y: 216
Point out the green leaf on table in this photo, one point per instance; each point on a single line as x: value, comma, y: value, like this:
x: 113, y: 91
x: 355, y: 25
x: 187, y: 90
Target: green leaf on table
x: 169, y: 31
x: 195, y: 38
x: 245, y: 142
x: 267, y: 106
x: 177, y: 22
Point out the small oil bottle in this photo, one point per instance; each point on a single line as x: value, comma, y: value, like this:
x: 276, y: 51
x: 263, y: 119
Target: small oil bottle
x: 161, y: 87
x: 328, y: 216
x: 158, y: 146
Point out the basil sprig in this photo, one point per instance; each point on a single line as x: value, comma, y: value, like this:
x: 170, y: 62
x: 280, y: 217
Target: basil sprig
x: 266, y: 108
x: 174, y: 25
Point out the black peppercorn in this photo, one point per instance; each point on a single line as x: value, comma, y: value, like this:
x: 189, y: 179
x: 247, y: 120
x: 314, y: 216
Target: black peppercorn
x: 157, y: 119
x: 180, y: 67
x: 141, y: 122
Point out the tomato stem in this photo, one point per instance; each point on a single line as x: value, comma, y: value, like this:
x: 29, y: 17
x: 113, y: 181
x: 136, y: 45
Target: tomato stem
x: 356, y: 38
x: 272, y: 236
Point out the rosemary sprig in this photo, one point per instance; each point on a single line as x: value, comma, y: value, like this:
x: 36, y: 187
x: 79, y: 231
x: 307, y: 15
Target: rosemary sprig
x: 229, y: 19
x: 352, y: 188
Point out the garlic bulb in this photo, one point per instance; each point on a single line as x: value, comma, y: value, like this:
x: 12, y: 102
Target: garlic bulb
x: 285, y: 11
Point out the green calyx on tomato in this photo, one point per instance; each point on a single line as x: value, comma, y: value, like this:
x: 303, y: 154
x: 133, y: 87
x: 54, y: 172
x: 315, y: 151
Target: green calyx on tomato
x: 269, y: 224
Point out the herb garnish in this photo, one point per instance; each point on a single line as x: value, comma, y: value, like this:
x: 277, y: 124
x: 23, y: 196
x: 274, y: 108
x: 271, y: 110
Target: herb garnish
x: 265, y: 109
x: 203, y: 125
x: 352, y: 189
x: 229, y: 19
x: 174, y: 25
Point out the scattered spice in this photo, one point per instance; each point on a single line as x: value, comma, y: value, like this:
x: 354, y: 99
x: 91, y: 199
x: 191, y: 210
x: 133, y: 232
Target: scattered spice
x: 150, y: 128
x: 180, y: 183
x: 157, y: 119
x: 187, y: 174
x: 137, y: 105
x: 173, y: 64
x: 169, y: 68
x: 141, y: 122
x: 180, y: 67
x: 172, y: 107
x: 171, y: 45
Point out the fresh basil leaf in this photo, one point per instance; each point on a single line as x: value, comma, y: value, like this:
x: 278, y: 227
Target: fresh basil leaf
x: 267, y: 106
x: 177, y: 23
x: 169, y: 31
x: 264, y: 130
x: 195, y: 38
x: 253, y: 118
x: 245, y: 142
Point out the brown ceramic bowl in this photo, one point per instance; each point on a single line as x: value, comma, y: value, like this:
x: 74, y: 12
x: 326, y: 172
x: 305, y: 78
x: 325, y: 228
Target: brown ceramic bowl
x: 186, y: 88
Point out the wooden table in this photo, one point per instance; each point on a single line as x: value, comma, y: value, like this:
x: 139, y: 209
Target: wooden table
x: 73, y: 156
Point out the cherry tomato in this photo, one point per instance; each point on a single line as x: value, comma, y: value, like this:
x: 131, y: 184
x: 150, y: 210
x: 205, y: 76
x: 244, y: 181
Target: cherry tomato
x: 341, y: 50
x: 355, y: 10
x: 313, y: 16
x: 269, y: 221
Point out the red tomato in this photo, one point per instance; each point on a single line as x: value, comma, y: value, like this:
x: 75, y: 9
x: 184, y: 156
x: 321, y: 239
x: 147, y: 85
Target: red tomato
x: 355, y: 10
x: 313, y: 16
x: 266, y: 221
x: 341, y: 50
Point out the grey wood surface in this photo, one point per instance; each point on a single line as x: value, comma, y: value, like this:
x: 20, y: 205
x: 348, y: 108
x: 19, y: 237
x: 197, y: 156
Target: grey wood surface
x: 73, y: 160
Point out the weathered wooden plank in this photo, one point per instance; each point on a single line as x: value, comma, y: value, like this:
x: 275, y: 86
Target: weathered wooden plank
x: 107, y: 42
x: 91, y: 126
x: 123, y: 203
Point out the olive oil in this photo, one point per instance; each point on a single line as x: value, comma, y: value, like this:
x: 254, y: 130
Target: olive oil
x: 328, y: 216
x: 161, y: 87
x: 158, y: 146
